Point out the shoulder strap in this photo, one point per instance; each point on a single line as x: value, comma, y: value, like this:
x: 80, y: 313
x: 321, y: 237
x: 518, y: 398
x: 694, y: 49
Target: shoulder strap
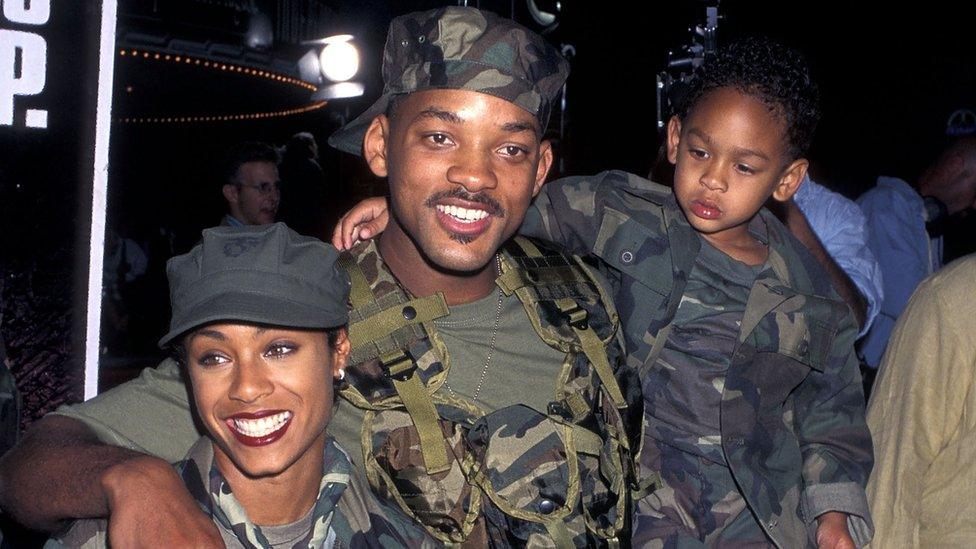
x: 399, y: 366
x: 374, y: 322
x: 575, y: 315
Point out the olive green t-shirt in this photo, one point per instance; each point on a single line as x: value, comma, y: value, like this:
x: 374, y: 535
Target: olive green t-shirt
x: 151, y: 414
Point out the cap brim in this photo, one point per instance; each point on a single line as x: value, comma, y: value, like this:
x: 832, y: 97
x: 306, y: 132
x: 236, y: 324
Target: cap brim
x: 349, y: 138
x: 257, y: 309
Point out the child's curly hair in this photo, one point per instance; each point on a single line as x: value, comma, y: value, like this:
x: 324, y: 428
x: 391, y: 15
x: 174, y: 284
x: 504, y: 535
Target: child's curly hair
x: 774, y: 74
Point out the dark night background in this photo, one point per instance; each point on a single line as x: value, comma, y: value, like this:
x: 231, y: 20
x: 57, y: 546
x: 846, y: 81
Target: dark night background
x: 889, y: 79
x: 890, y: 76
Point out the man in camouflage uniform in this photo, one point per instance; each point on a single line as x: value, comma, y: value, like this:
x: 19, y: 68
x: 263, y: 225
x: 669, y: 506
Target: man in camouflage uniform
x: 791, y: 409
x: 459, y: 133
x: 753, y: 409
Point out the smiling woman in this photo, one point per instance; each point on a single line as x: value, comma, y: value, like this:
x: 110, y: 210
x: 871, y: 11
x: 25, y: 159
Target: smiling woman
x: 265, y: 396
x: 258, y: 325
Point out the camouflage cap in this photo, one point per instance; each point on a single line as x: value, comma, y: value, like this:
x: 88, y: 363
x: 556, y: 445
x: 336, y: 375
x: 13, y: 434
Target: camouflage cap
x: 468, y: 49
x: 266, y: 274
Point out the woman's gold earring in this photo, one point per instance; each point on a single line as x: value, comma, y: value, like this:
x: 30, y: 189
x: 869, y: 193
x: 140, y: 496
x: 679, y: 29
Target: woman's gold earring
x: 342, y: 374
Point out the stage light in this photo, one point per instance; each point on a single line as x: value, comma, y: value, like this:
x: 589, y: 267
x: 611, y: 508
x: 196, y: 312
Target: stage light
x: 337, y: 62
x: 339, y: 58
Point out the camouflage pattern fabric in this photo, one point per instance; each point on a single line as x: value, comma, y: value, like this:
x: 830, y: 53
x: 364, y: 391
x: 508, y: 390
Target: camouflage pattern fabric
x: 516, y: 476
x: 698, y: 501
x: 208, y: 487
x: 466, y: 49
x: 792, y: 407
x: 344, y: 515
x: 683, y: 388
x: 697, y: 505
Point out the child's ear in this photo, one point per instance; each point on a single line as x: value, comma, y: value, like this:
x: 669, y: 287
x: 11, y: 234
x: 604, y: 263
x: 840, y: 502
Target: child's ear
x: 674, y: 137
x: 790, y: 180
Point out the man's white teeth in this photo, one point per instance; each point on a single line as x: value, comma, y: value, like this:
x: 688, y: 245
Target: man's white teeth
x: 464, y: 215
x: 261, y: 427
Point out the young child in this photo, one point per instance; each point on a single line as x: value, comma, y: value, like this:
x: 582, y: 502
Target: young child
x: 753, y: 408
x: 754, y: 415
x: 258, y: 326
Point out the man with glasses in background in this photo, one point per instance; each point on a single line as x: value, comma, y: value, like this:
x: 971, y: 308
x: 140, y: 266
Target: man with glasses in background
x: 250, y: 175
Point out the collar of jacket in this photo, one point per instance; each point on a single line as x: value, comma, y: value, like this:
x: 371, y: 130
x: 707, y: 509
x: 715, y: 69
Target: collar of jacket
x: 775, y: 284
x: 684, y: 242
x: 212, y: 492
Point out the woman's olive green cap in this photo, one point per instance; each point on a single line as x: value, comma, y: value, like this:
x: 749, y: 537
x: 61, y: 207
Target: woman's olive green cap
x: 266, y: 274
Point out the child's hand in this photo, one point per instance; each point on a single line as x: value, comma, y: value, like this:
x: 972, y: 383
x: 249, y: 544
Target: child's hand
x: 832, y: 532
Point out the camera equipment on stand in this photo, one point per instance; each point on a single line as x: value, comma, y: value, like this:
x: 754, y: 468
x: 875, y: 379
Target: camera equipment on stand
x: 673, y: 81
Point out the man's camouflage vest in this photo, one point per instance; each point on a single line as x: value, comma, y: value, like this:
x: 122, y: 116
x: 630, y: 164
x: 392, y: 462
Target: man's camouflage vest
x: 514, y: 476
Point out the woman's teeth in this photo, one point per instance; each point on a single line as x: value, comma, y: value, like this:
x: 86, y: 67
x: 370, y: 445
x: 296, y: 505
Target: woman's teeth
x: 261, y: 427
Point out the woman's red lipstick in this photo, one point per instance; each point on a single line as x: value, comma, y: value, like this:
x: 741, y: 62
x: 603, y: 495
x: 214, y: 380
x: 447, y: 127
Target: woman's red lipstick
x: 249, y: 430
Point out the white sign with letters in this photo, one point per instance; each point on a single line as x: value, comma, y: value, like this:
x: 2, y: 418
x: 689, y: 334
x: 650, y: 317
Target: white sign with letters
x: 23, y: 61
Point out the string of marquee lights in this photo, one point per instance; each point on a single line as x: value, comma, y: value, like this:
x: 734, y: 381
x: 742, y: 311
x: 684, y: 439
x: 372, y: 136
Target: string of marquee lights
x: 220, y: 118
x: 217, y: 66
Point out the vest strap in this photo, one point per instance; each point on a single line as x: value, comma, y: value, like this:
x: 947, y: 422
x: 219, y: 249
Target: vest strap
x: 559, y: 533
x: 595, y: 351
x: 591, y: 343
x: 646, y: 486
x: 359, y: 291
x: 403, y: 371
x: 519, y: 278
x: 587, y: 442
x: 400, y: 367
x: 386, y: 322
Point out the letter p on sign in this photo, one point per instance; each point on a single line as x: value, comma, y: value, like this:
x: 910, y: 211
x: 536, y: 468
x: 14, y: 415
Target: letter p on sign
x: 23, y: 59
x: 23, y: 69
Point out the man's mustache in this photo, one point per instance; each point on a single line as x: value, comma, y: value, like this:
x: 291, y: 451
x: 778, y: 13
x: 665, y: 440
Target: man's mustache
x: 491, y: 206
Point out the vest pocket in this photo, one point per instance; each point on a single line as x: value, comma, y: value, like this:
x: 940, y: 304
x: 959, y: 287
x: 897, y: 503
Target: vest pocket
x: 528, y: 468
x: 444, y: 502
